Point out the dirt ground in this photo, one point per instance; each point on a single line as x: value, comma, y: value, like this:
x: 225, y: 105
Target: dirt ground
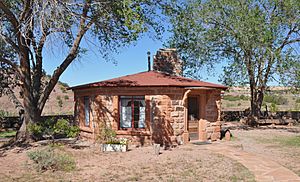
x: 280, y: 144
x: 184, y: 163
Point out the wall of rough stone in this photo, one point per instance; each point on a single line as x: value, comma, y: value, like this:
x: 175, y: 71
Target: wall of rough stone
x: 167, y: 117
x: 167, y: 60
x: 165, y: 113
x: 213, y: 115
x: 159, y: 108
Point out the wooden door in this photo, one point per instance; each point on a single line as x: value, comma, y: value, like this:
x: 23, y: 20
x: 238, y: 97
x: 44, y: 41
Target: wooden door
x: 193, y: 118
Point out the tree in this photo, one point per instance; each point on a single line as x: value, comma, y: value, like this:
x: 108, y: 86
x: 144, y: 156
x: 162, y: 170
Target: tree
x: 258, y: 39
x: 27, y: 26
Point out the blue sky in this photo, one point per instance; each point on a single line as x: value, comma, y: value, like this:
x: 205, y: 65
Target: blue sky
x: 92, y: 67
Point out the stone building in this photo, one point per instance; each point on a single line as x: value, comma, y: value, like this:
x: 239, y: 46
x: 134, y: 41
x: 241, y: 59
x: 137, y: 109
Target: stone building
x: 157, y: 106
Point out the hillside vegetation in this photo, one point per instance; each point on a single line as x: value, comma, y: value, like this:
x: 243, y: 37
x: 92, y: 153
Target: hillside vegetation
x: 60, y: 102
x: 275, y: 99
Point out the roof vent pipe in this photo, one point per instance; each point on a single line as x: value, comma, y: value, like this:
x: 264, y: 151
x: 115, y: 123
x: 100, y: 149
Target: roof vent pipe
x: 149, y: 64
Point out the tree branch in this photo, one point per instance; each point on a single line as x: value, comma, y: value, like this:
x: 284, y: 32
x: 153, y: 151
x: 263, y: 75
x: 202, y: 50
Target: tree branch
x: 12, y: 64
x: 10, y: 16
x: 25, y: 10
x: 67, y: 61
x: 12, y: 97
x: 10, y: 42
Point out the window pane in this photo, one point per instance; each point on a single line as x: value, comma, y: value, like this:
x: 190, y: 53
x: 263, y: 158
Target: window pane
x: 136, y: 114
x: 132, y: 115
x: 125, y: 113
x: 87, y: 111
x: 142, y: 114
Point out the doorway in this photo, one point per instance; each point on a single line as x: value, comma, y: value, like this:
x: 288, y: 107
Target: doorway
x: 193, y: 117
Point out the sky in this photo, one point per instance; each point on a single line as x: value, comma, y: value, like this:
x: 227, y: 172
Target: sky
x: 92, y: 67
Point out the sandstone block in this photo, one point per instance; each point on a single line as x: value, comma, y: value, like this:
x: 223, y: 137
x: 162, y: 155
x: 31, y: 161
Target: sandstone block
x: 179, y: 108
x: 215, y: 136
x: 181, y: 125
x: 174, y: 114
x: 202, y: 125
x: 217, y: 129
x: 203, y: 136
x: 175, y: 102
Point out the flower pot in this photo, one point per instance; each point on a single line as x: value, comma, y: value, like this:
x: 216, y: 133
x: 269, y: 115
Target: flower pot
x: 113, y: 147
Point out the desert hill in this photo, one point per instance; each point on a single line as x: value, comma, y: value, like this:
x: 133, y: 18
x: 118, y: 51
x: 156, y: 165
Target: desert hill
x: 276, y: 99
x: 61, y: 101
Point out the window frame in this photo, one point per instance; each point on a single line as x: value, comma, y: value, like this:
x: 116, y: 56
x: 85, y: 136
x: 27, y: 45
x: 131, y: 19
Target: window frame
x: 142, y: 97
x: 87, y: 123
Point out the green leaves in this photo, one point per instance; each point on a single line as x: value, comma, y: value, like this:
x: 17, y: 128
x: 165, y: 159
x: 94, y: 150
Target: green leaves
x: 252, y: 37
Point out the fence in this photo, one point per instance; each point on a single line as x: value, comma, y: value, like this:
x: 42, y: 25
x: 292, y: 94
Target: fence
x: 237, y: 115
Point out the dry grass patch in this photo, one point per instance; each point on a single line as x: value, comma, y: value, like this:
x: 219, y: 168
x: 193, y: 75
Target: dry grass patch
x: 184, y: 163
x: 280, y: 146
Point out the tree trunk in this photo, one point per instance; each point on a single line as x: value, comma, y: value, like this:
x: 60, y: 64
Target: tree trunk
x: 29, y: 116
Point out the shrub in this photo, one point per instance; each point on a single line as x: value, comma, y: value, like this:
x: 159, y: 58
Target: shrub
x: 243, y: 97
x: 231, y: 98
x: 66, y: 97
x: 63, y: 84
x: 61, y: 128
x: 297, y: 100
x: 50, y: 159
x: 63, y: 89
x: 239, y: 104
x: 277, y: 100
x: 106, y: 134
x: 273, y: 107
x: 4, y: 114
x: 59, y: 101
x: 36, y: 130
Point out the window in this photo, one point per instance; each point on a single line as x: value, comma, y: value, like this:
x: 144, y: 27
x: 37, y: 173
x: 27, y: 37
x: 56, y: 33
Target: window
x: 86, y: 110
x: 132, y: 112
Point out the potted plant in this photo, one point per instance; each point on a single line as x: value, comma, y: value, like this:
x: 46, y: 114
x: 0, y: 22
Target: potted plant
x: 115, y: 145
x: 109, y: 141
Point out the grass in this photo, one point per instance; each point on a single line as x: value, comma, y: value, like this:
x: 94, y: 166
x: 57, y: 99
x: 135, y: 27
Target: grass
x: 287, y: 141
x: 50, y: 158
x: 293, y: 141
x: 7, y: 134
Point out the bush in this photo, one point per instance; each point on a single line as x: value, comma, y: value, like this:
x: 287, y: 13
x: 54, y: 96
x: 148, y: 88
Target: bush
x: 277, y: 100
x: 50, y: 159
x: 231, y: 98
x: 36, y: 130
x: 106, y: 134
x: 66, y: 97
x: 59, y: 101
x: 61, y: 128
x: 243, y: 97
x: 4, y: 114
x: 273, y: 107
x: 297, y: 100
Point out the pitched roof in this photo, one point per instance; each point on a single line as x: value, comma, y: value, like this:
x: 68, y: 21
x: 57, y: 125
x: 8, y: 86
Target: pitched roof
x: 150, y: 79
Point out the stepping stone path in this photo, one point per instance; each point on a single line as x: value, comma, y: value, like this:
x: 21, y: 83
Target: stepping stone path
x: 264, y: 169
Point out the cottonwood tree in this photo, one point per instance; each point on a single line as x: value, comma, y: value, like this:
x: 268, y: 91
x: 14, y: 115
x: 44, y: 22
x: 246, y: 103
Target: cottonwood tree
x: 256, y: 40
x: 28, y: 26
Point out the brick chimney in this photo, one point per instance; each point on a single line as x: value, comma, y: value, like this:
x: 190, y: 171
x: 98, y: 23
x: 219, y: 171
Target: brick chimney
x: 167, y: 61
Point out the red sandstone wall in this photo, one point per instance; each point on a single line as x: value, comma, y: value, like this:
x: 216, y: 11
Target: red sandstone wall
x: 165, y: 113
